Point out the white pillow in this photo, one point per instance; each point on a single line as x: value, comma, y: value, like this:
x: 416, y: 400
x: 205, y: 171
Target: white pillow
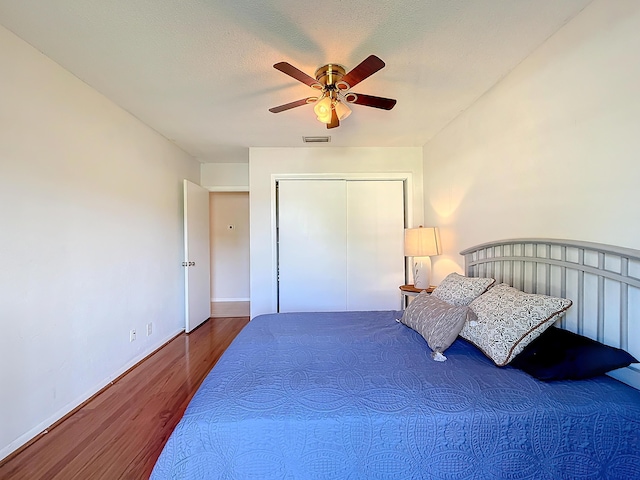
x: 508, y: 320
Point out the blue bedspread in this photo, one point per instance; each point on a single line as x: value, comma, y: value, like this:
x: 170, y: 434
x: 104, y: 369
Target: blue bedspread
x: 356, y: 395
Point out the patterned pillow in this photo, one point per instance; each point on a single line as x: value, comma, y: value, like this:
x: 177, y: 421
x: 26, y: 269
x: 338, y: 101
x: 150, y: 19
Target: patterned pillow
x: 437, y: 321
x: 508, y: 320
x: 459, y: 290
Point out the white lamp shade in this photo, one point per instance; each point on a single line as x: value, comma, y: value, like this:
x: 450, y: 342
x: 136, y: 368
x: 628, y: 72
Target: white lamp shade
x: 422, y: 242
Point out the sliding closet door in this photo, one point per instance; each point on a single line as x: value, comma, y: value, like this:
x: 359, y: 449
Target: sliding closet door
x: 312, y: 253
x: 375, y: 246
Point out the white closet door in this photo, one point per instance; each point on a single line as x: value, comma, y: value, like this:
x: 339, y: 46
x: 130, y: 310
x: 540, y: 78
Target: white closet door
x: 375, y: 246
x: 312, y: 251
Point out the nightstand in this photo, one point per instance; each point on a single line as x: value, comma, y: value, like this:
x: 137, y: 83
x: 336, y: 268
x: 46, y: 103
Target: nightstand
x: 407, y: 291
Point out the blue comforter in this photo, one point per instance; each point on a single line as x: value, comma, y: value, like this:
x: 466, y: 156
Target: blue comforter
x: 356, y: 395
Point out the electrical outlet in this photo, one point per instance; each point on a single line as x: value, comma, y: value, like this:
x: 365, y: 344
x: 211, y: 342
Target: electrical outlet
x: 132, y: 335
x: 149, y: 328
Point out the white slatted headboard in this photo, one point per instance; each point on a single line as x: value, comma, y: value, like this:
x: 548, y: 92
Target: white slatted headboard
x: 602, y: 280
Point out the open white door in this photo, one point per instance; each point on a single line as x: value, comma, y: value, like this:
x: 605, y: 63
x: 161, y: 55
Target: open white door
x: 197, y: 279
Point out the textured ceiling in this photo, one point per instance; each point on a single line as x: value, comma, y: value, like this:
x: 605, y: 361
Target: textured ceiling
x: 200, y: 71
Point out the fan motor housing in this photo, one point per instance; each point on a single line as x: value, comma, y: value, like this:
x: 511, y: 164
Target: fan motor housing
x: 330, y: 74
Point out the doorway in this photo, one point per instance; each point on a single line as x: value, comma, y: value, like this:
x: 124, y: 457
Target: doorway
x: 229, y: 224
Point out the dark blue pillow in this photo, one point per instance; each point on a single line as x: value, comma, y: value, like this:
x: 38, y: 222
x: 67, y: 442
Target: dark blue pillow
x: 562, y: 355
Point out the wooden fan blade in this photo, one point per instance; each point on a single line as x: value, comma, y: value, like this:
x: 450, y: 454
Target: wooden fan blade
x: 299, y: 75
x: 288, y: 106
x: 376, y: 102
x: 335, y: 122
x: 367, y: 67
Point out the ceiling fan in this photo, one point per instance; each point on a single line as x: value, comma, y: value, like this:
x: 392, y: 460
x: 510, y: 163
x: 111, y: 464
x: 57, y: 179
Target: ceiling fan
x: 335, y: 84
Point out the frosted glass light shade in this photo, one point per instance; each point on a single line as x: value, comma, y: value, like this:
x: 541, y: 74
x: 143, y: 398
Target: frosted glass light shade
x: 342, y: 110
x: 323, y: 110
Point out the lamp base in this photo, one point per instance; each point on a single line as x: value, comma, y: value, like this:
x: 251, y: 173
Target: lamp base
x: 422, y: 272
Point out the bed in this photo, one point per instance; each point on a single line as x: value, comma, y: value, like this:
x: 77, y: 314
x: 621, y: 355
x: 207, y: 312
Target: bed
x: 357, y: 395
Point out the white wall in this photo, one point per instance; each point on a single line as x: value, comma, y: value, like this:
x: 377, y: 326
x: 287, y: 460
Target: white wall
x: 90, y: 242
x: 265, y: 164
x: 225, y: 177
x: 229, y: 247
x: 553, y: 150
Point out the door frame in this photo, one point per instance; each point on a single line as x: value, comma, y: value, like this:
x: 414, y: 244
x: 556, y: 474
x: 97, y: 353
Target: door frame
x: 405, y: 177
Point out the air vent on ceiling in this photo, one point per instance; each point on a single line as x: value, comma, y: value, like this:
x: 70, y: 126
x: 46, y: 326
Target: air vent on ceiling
x: 326, y: 139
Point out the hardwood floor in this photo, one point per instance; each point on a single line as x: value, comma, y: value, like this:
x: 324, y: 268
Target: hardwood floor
x: 120, y: 433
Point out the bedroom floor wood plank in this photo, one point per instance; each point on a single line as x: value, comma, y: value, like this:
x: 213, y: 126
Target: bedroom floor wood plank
x: 120, y: 433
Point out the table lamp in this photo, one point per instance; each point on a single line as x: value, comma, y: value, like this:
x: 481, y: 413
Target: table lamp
x: 421, y: 243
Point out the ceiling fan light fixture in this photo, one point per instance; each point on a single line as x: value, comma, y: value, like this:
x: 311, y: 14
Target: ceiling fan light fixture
x: 342, y: 110
x: 323, y: 109
x: 335, y: 83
